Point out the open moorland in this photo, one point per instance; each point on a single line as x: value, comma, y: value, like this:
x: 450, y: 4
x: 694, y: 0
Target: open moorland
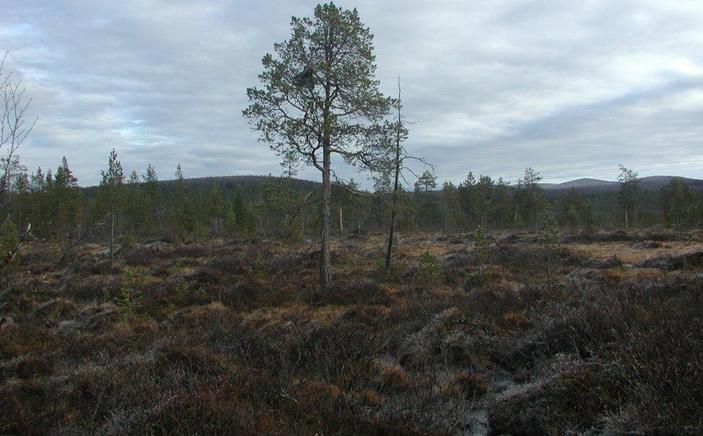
x: 206, y: 338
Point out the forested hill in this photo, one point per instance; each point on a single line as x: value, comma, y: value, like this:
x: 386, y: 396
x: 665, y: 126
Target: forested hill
x: 652, y: 183
x: 246, y: 183
x: 584, y: 185
x: 228, y: 183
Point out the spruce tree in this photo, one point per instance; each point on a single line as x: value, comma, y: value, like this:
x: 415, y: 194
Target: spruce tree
x: 152, y: 199
x: 182, y: 218
x: 483, y: 199
x: 65, y: 200
x: 678, y: 201
x: 573, y: 209
x: 135, y: 206
x: 503, y: 203
x: 466, y: 198
x: 214, y: 210
x: 22, y: 207
x: 530, y: 198
x: 427, y: 208
x: 37, y: 189
x: 111, y: 196
x: 245, y: 221
x: 629, y: 189
x: 450, y: 210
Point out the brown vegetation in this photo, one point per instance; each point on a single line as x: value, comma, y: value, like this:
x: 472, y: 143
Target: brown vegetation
x: 236, y: 335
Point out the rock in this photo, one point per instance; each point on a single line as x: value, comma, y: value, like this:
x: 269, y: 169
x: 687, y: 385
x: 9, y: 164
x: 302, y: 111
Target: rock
x: 694, y: 259
x: 671, y: 263
x: 46, y: 307
x: 501, y: 249
x: 115, y: 251
x: 611, y: 262
x: 6, y: 323
x: 455, y: 349
x: 67, y: 327
x: 665, y: 235
x: 457, y: 260
x: 508, y: 239
x: 102, y: 319
x: 420, y: 347
x: 97, y: 316
x: 583, y: 277
x: 656, y: 262
x: 55, y: 308
x: 587, y: 237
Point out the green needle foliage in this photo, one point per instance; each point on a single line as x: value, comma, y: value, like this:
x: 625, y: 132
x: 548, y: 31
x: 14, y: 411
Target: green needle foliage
x: 319, y: 96
x: 481, y: 248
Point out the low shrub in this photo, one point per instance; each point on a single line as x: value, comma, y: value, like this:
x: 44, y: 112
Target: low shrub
x: 429, y: 270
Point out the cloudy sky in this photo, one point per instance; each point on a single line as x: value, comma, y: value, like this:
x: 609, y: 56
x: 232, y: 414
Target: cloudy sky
x: 571, y: 88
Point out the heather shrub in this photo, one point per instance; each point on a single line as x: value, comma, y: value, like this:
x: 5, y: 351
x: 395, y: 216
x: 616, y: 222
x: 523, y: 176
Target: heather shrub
x: 238, y: 335
x: 258, y: 267
x: 429, y: 270
x: 130, y: 299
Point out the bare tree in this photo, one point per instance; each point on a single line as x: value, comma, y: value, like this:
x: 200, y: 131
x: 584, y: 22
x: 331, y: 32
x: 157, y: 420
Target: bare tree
x: 395, y: 134
x: 14, y: 127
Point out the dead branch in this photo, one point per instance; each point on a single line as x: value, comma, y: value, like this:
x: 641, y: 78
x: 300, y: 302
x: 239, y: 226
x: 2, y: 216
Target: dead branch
x: 66, y: 251
x: 10, y: 256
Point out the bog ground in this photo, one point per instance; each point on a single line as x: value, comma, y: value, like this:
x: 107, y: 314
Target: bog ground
x: 207, y: 338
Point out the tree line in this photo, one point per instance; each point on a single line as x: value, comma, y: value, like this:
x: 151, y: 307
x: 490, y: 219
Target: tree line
x: 141, y: 207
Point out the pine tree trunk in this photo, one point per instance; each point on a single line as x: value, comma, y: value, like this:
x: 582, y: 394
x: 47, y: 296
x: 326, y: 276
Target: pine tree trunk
x: 389, y: 252
x: 341, y: 220
x: 112, y: 237
x: 549, y: 272
x: 19, y: 216
x: 396, y: 175
x: 394, y: 206
x: 302, y: 225
x: 325, y: 273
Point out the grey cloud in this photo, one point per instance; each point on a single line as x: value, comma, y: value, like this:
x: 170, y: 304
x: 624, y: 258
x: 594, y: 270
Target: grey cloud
x: 570, y: 88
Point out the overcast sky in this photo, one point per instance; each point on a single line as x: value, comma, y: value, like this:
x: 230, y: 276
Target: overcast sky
x: 571, y: 88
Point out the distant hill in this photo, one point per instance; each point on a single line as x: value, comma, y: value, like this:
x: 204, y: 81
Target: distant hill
x: 652, y: 183
x: 244, y: 182
x: 579, y: 184
x: 586, y: 185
